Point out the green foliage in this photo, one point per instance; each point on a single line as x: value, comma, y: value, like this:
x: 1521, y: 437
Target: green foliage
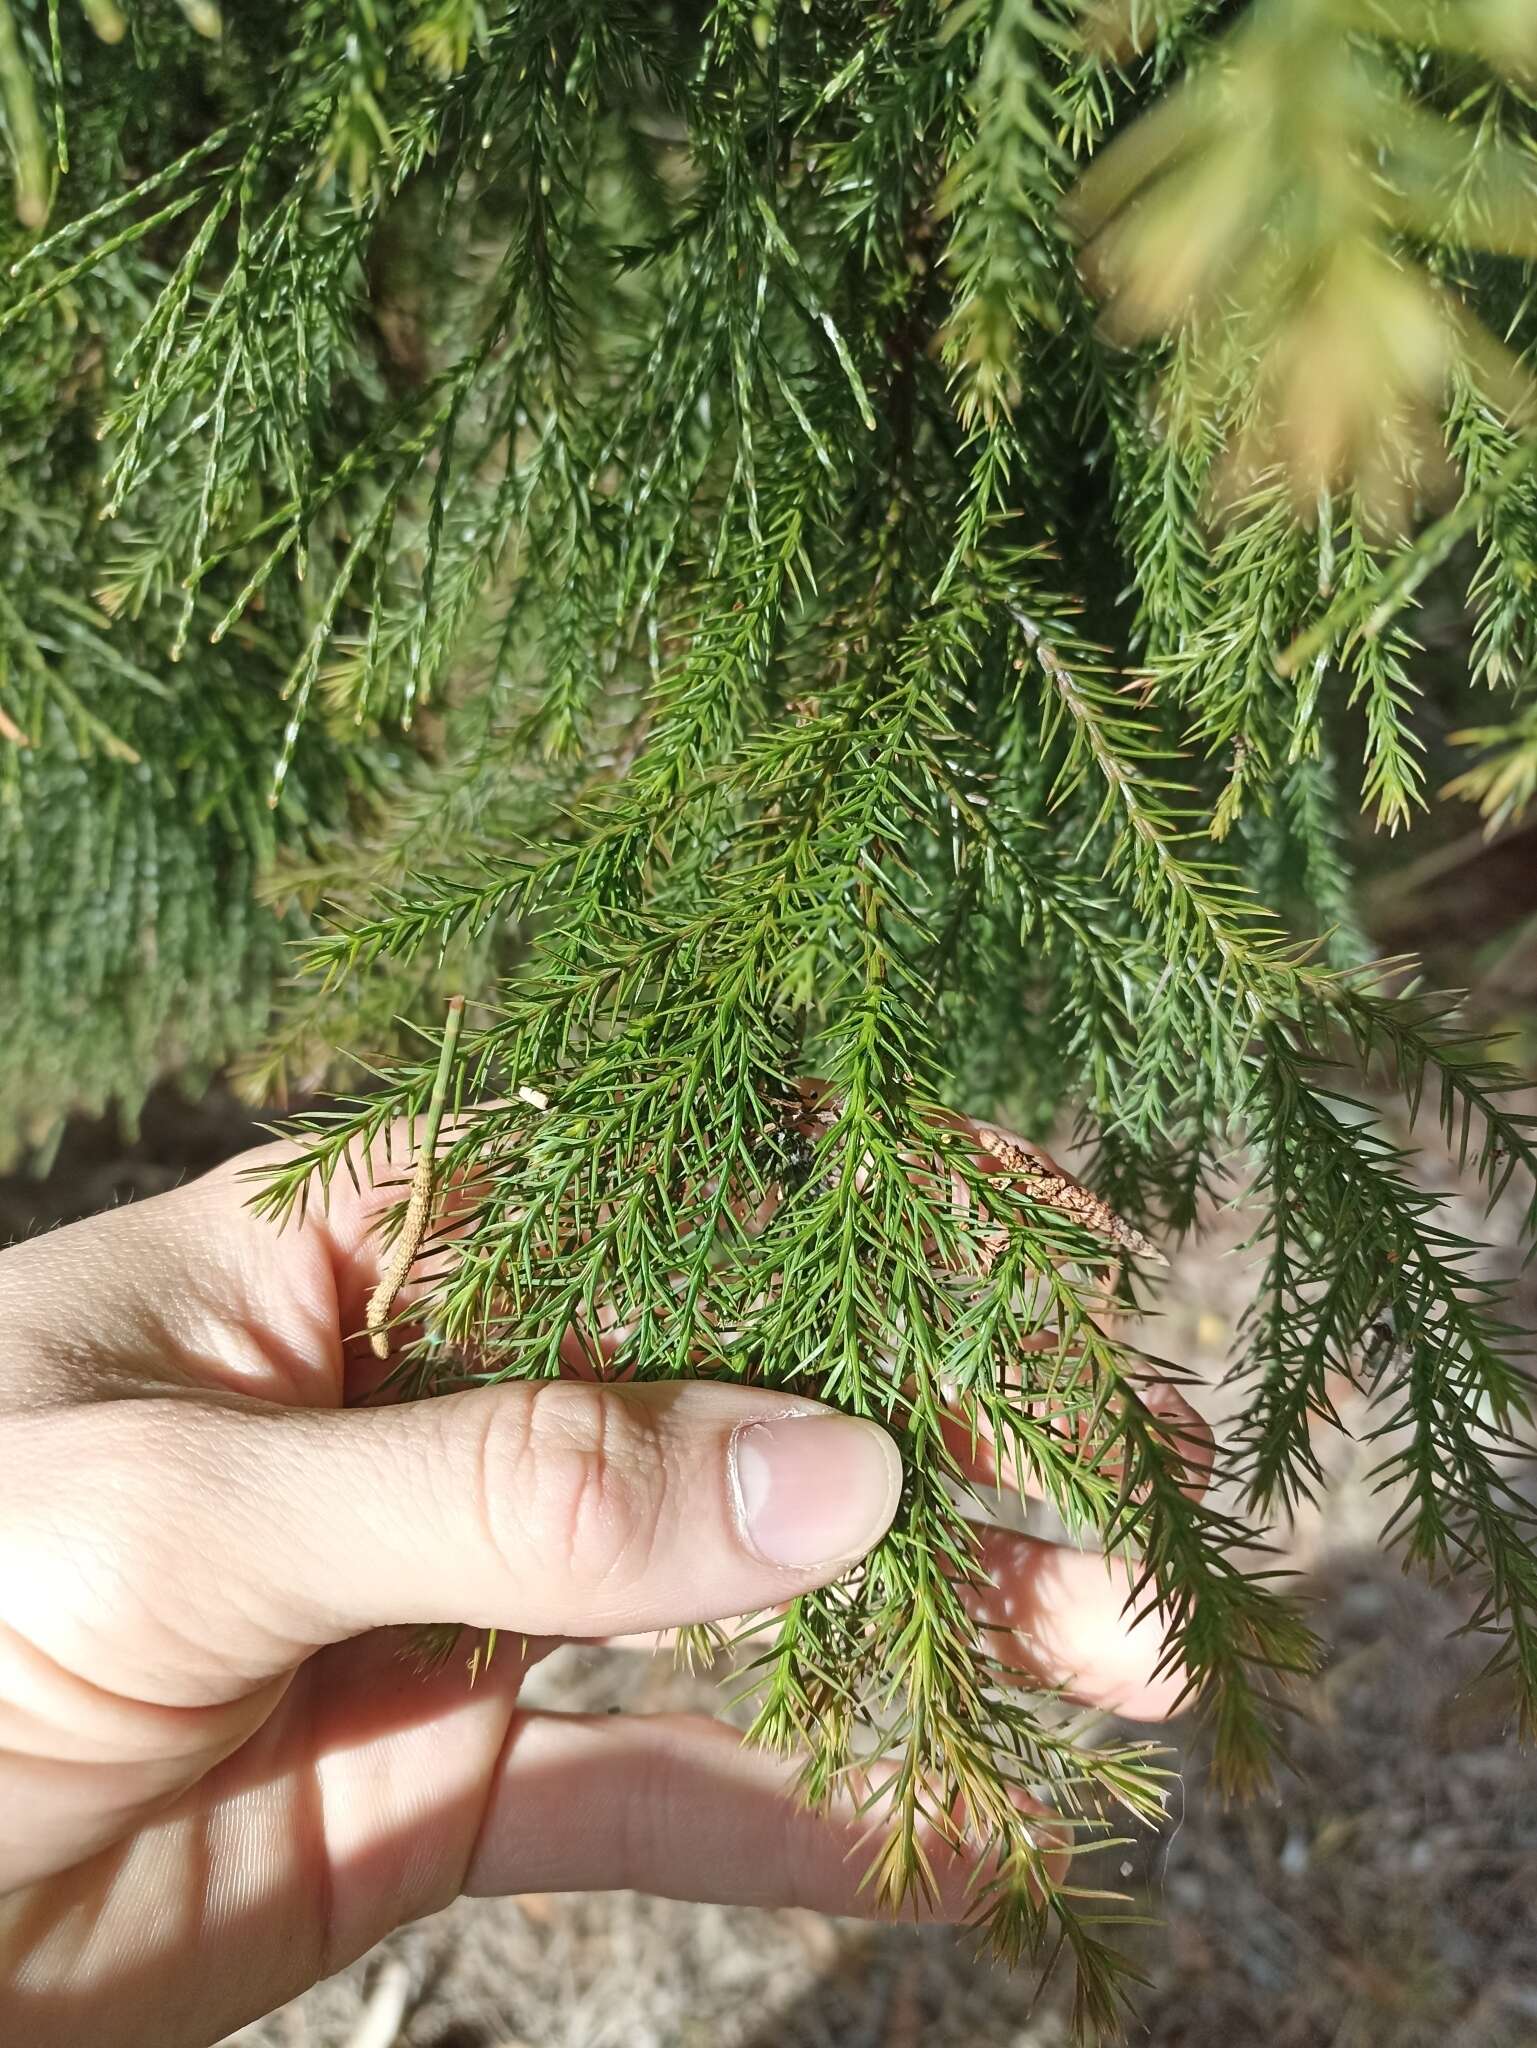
x: 649, y: 496
x: 1269, y: 209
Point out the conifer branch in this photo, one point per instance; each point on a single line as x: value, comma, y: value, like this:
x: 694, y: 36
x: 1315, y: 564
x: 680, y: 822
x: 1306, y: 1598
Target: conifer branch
x: 885, y: 543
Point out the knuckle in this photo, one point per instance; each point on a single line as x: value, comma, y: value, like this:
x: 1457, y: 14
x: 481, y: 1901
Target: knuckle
x: 90, y: 1544
x: 117, y: 1457
x: 575, y: 1483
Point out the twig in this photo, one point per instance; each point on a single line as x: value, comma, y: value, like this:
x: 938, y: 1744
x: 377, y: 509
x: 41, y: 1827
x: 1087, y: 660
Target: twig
x: 384, y: 2014
x: 418, y: 1214
x: 1039, y: 1178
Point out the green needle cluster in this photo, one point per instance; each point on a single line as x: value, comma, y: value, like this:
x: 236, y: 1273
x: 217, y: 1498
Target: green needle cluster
x: 760, y: 539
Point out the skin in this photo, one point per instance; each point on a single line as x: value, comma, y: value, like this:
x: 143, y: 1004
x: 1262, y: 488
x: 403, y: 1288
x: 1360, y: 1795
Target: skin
x: 219, y: 1781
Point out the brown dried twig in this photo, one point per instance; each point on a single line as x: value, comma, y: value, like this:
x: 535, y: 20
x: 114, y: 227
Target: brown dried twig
x: 413, y: 1227
x: 1038, y: 1177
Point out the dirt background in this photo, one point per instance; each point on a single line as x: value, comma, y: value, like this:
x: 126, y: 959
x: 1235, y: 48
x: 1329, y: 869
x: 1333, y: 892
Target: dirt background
x: 1386, y: 1897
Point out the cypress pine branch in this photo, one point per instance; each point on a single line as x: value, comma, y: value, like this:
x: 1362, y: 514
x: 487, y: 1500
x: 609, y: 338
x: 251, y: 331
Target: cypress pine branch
x: 883, y: 543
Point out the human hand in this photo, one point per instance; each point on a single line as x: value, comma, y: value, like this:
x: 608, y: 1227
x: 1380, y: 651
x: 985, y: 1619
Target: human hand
x: 219, y: 1781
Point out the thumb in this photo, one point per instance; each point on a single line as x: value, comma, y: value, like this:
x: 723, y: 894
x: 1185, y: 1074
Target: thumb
x: 210, y: 1543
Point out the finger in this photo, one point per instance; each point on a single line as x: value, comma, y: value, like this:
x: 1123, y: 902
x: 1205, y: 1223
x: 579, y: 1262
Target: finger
x: 372, y: 1797
x: 354, y: 1806
x: 970, y: 1437
x: 204, y: 1547
x: 680, y: 1807
x: 996, y: 1153
x: 1055, y: 1617
x: 195, y: 1288
x: 1063, y: 1619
